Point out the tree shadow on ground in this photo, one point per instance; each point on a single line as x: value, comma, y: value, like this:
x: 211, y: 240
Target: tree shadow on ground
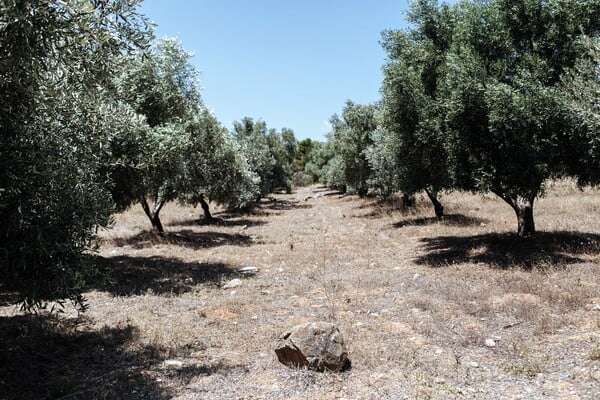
x: 326, y: 191
x: 449, y: 220
x: 506, y: 250
x: 391, y: 206
x: 127, y: 276
x: 44, y: 357
x: 8, y: 297
x: 184, y: 238
x: 380, y: 211
x: 221, y: 220
x: 320, y: 189
x: 282, y: 205
x: 334, y: 193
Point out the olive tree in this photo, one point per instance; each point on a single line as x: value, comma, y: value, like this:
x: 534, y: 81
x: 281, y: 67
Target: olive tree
x: 316, y: 160
x: 302, y: 154
x: 506, y: 129
x: 290, y: 144
x: 266, y: 152
x: 215, y: 167
x: 351, y: 137
x: 161, y: 85
x: 283, y: 152
x: 57, y: 60
x: 407, y: 154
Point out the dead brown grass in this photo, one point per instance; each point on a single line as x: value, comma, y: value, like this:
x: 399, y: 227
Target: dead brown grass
x: 418, y: 300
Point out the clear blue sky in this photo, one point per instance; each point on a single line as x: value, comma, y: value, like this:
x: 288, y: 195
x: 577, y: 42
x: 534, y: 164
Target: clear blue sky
x: 291, y: 63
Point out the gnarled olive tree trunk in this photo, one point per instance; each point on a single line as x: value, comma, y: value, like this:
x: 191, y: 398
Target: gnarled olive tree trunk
x: 207, y: 215
x: 523, y: 207
x: 437, y: 206
x: 153, y: 215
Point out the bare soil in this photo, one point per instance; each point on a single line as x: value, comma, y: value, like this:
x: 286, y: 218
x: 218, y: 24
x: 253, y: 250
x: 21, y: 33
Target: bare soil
x: 455, y: 308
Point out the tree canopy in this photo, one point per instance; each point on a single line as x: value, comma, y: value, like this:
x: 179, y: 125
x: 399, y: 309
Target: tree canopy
x: 55, y: 73
x: 486, y: 96
x: 267, y: 152
x: 94, y: 120
x: 351, y: 137
x: 408, y: 153
x: 506, y: 129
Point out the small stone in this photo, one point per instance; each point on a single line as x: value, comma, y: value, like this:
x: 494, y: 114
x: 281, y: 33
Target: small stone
x: 232, y: 284
x: 473, y: 364
x: 173, y: 363
x: 248, y: 271
x: 596, y: 307
x: 490, y: 342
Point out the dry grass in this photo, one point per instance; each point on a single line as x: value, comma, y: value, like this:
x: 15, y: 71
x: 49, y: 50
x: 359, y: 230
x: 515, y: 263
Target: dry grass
x: 417, y: 299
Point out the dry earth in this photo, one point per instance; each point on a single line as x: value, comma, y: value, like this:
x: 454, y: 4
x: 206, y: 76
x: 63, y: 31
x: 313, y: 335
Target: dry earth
x: 431, y: 309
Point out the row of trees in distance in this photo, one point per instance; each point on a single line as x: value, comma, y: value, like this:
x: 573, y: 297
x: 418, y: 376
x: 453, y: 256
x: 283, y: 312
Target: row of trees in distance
x: 486, y: 96
x: 96, y: 116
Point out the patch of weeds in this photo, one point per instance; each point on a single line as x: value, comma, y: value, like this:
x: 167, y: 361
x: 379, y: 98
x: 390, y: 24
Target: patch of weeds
x: 528, y: 365
x: 595, y: 354
x: 424, y: 387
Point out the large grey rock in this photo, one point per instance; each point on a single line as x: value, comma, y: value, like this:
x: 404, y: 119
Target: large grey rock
x: 318, y: 346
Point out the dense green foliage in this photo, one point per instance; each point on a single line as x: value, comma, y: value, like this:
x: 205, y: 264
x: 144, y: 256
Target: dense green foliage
x: 408, y: 153
x: 581, y: 85
x: 302, y: 153
x: 55, y: 119
x: 505, y: 125
x: 487, y: 96
x: 268, y: 153
x: 162, y: 86
x: 93, y: 122
x: 350, y: 138
x: 215, y: 166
